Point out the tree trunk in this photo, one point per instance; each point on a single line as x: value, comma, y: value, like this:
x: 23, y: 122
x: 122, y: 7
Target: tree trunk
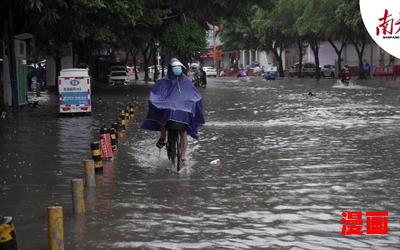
x: 57, y: 60
x: 360, y: 53
x: 146, y: 62
x: 300, y: 46
x: 315, y: 48
x: 11, y: 59
x: 134, y: 53
x: 338, y: 52
x: 278, y: 57
x: 2, y: 104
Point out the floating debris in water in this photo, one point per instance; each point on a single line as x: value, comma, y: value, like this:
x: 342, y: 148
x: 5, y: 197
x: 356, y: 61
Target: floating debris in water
x: 216, y: 162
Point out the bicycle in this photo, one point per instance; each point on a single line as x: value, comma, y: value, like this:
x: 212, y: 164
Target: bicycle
x: 174, y: 143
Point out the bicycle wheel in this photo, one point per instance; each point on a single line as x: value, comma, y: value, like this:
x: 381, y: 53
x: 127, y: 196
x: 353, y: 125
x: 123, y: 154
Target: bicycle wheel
x: 174, y: 148
x: 171, y: 149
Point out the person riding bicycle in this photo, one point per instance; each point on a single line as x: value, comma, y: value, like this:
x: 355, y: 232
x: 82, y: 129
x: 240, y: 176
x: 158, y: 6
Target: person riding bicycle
x: 174, y: 98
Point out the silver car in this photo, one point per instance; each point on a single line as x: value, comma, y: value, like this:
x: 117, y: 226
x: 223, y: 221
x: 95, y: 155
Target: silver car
x: 210, y: 71
x: 328, y: 71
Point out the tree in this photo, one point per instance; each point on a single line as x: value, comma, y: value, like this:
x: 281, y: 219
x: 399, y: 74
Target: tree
x: 88, y: 24
x: 335, y: 28
x: 181, y: 40
x: 312, y: 24
x: 349, y: 12
x: 11, y: 14
x: 271, y: 36
x: 284, y: 15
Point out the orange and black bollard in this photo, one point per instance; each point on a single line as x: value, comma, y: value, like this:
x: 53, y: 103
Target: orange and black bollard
x: 114, y: 139
x: 96, y: 156
x: 115, y: 126
x: 131, y: 111
x: 123, y: 122
x: 124, y: 114
x: 127, y: 115
x: 8, y: 239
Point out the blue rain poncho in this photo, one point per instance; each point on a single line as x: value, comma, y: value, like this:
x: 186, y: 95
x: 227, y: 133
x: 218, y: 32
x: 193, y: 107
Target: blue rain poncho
x: 174, y: 99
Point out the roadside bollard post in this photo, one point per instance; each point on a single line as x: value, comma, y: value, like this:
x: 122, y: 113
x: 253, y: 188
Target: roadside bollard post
x: 115, y: 126
x: 123, y: 115
x: 127, y: 115
x: 77, y: 196
x: 96, y: 156
x: 56, y: 228
x: 120, y: 129
x: 8, y: 238
x: 123, y: 122
x: 131, y: 111
x: 89, y: 173
x: 114, y: 140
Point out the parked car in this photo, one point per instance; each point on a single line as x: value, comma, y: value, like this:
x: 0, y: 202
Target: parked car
x: 271, y: 73
x: 210, y: 71
x: 328, y: 71
x: 118, y: 77
x: 254, y: 69
x: 308, y: 69
x: 118, y: 68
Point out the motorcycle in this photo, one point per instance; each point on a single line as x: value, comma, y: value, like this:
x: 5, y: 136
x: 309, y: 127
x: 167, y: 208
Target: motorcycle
x: 346, y: 80
x: 198, y: 82
x: 345, y: 76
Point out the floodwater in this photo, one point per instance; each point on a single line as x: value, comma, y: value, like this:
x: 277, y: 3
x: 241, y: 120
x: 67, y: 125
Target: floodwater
x: 291, y: 163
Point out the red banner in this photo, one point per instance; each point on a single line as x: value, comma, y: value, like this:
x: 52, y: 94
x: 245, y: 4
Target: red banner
x: 106, y: 147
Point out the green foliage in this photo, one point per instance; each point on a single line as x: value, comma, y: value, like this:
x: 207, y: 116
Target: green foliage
x: 181, y: 40
x: 240, y: 32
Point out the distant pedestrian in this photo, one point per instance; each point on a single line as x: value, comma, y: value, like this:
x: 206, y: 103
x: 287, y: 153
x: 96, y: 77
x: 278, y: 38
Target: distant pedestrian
x: 367, y: 70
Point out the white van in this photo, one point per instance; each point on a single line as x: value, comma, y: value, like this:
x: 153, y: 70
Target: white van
x: 74, y: 91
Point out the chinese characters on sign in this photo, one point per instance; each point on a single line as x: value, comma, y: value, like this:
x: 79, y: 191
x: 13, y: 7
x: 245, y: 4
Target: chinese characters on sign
x: 376, y: 223
x: 74, y: 98
x: 388, y: 25
x: 72, y: 89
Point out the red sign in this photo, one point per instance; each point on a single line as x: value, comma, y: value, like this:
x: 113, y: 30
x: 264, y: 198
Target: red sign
x: 376, y: 223
x: 106, y: 147
x: 209, y: 55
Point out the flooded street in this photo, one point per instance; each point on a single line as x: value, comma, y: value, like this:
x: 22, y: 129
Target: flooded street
x: 291, y: 163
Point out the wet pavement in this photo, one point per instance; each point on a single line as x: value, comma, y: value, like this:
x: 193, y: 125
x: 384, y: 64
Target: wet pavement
x: 291, y: 163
